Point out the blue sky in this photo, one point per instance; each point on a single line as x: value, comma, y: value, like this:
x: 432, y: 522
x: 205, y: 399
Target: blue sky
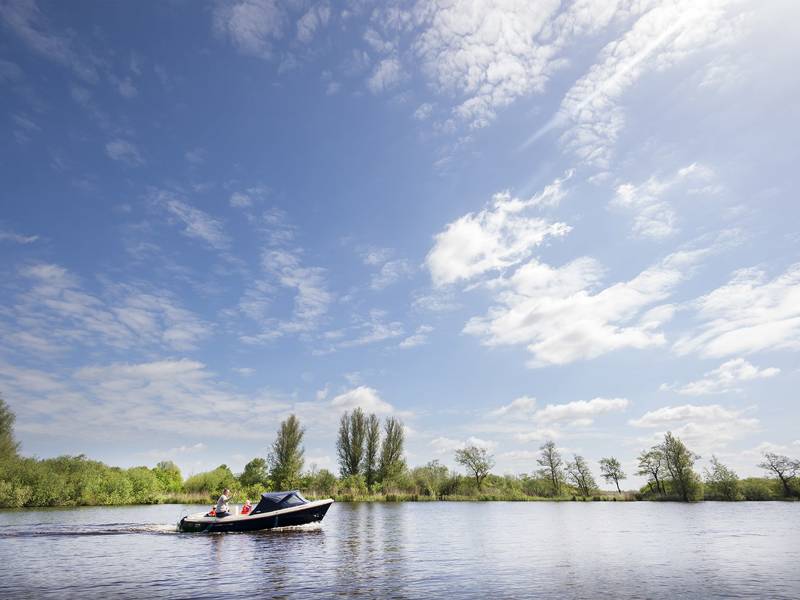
x: 504, y: 222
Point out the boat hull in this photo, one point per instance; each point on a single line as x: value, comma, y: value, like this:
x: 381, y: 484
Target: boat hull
x: 301, y: 515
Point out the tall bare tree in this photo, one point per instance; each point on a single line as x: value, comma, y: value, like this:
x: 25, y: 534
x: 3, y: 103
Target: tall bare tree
x: 552, y: 466
x: 286, y: 457
x: 391, y: 461
x: 372, y: 446
x: 350, y: 444
x: 611, y: 470
x: 477, y: 460
x: 784, y: 468
x: 580, y: 475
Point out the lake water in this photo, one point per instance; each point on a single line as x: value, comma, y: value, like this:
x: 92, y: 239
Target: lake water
x: 426, y: 550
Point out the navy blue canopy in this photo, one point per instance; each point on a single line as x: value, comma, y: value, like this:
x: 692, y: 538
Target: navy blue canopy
x: 277, y: 500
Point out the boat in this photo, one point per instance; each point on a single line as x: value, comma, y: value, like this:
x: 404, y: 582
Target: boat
x: 275, y: 509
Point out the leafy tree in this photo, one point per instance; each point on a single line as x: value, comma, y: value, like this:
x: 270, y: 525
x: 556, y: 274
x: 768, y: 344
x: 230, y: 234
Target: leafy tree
x: 611, y: 470
x: 169, y: 476
x: 431, y: 478
x: 722, y: 481
x: 211, y: 482
x: 580, y: 476
x: 652, y: 466
x: 323, y: 483
x: 286, y: 457
x: 679, y: 461
x: 372, y: 446
x: 552, y: 466
x: 476, y: 460
x: 391, y: 460
x: 255, y: 473
x: 8, y: 446
x: 350, y: 444
x: 784, y: 468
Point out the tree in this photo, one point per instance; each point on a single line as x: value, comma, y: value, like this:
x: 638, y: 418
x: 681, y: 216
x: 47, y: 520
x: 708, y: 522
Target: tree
x: 784, y: 468
x: 255, y: 473
x: 581, y: 477
x: 431, y: 478
x: 611, y: 470
x: 679, y: 461
x: 552, y: 466
x: 723, y: 481
x: 169, y: 476
x: 372, y: 446
x: 477, y: 460
x: 651, y: 465
x: 350, y: 445
x: 391, y: 461
x: 8, y: 446
x: 286, y: 458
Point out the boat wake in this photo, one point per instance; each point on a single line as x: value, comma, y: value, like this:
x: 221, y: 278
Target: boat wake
x: 53, y: 530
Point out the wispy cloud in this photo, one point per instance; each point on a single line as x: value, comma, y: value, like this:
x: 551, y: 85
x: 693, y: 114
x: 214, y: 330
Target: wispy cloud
x: 16, y: 238
x: 25, y: 19
x: 124, y: 151
x: 746, y: 315
x: 727, y: 377
x: 196, y: 223
x: 251, y: 26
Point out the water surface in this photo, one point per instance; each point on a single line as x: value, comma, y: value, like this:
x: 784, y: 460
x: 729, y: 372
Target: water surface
x: 431, y: 550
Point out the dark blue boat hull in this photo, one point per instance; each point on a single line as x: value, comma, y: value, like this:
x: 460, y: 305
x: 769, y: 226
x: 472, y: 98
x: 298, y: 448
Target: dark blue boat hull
x: 303, y: 516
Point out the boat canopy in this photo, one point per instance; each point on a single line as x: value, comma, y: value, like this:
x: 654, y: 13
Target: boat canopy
x: 277, y: 500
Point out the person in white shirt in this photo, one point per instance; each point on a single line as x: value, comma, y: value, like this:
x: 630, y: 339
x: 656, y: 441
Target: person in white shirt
x: 222, y: 503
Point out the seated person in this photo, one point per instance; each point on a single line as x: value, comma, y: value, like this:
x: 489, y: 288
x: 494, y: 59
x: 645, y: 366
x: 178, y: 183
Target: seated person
x: 212, y: 512
x: 222, y: 504
x: 247, y: 507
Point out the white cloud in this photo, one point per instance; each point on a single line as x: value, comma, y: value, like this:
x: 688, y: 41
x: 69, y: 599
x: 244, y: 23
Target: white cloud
x: 124, y: 151
x: 496, y: 237
x: 557, y: 314
x: 195, y: 156
x: 582, y: 411
x: 391, y: 272
x: 385, y: 76
x: 29, y: 23
x: 244, y: 371
x: 374, y: 329
x: 10, y: 236
x: 661, y: 36
x: 55, y: 313
x: 724, y: 378
x: 423, y: 111
x: 312, y: 297
x: 524, y: 405
x: 701, y: 427
x: 445, y: 445
x: 315, y: 17
x: 177, y: 451
x: 250, y: 25
x: 419, y: 338
x: 487, y: 52
x: 365, y: 397
x: 653, y: 215
x: 746, y: 315
x: 126, y: 88
x: 132, y: 400
x: 197, y: 223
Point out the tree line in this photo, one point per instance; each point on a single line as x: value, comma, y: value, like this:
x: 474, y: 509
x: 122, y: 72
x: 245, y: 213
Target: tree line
x: 371, y: 465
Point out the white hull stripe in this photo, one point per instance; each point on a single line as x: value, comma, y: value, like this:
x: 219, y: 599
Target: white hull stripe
x: 202, y: 518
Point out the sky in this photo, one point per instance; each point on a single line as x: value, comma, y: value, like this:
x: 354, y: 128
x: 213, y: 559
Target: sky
x: 501, y: 221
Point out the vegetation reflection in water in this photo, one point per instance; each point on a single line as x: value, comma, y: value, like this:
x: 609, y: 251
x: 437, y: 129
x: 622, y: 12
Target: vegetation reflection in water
x: 372, y: 468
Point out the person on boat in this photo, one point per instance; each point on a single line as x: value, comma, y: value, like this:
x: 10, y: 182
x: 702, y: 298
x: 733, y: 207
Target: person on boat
x: 247, y: 507
x: 222, y: 504
x: 212, y: 512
